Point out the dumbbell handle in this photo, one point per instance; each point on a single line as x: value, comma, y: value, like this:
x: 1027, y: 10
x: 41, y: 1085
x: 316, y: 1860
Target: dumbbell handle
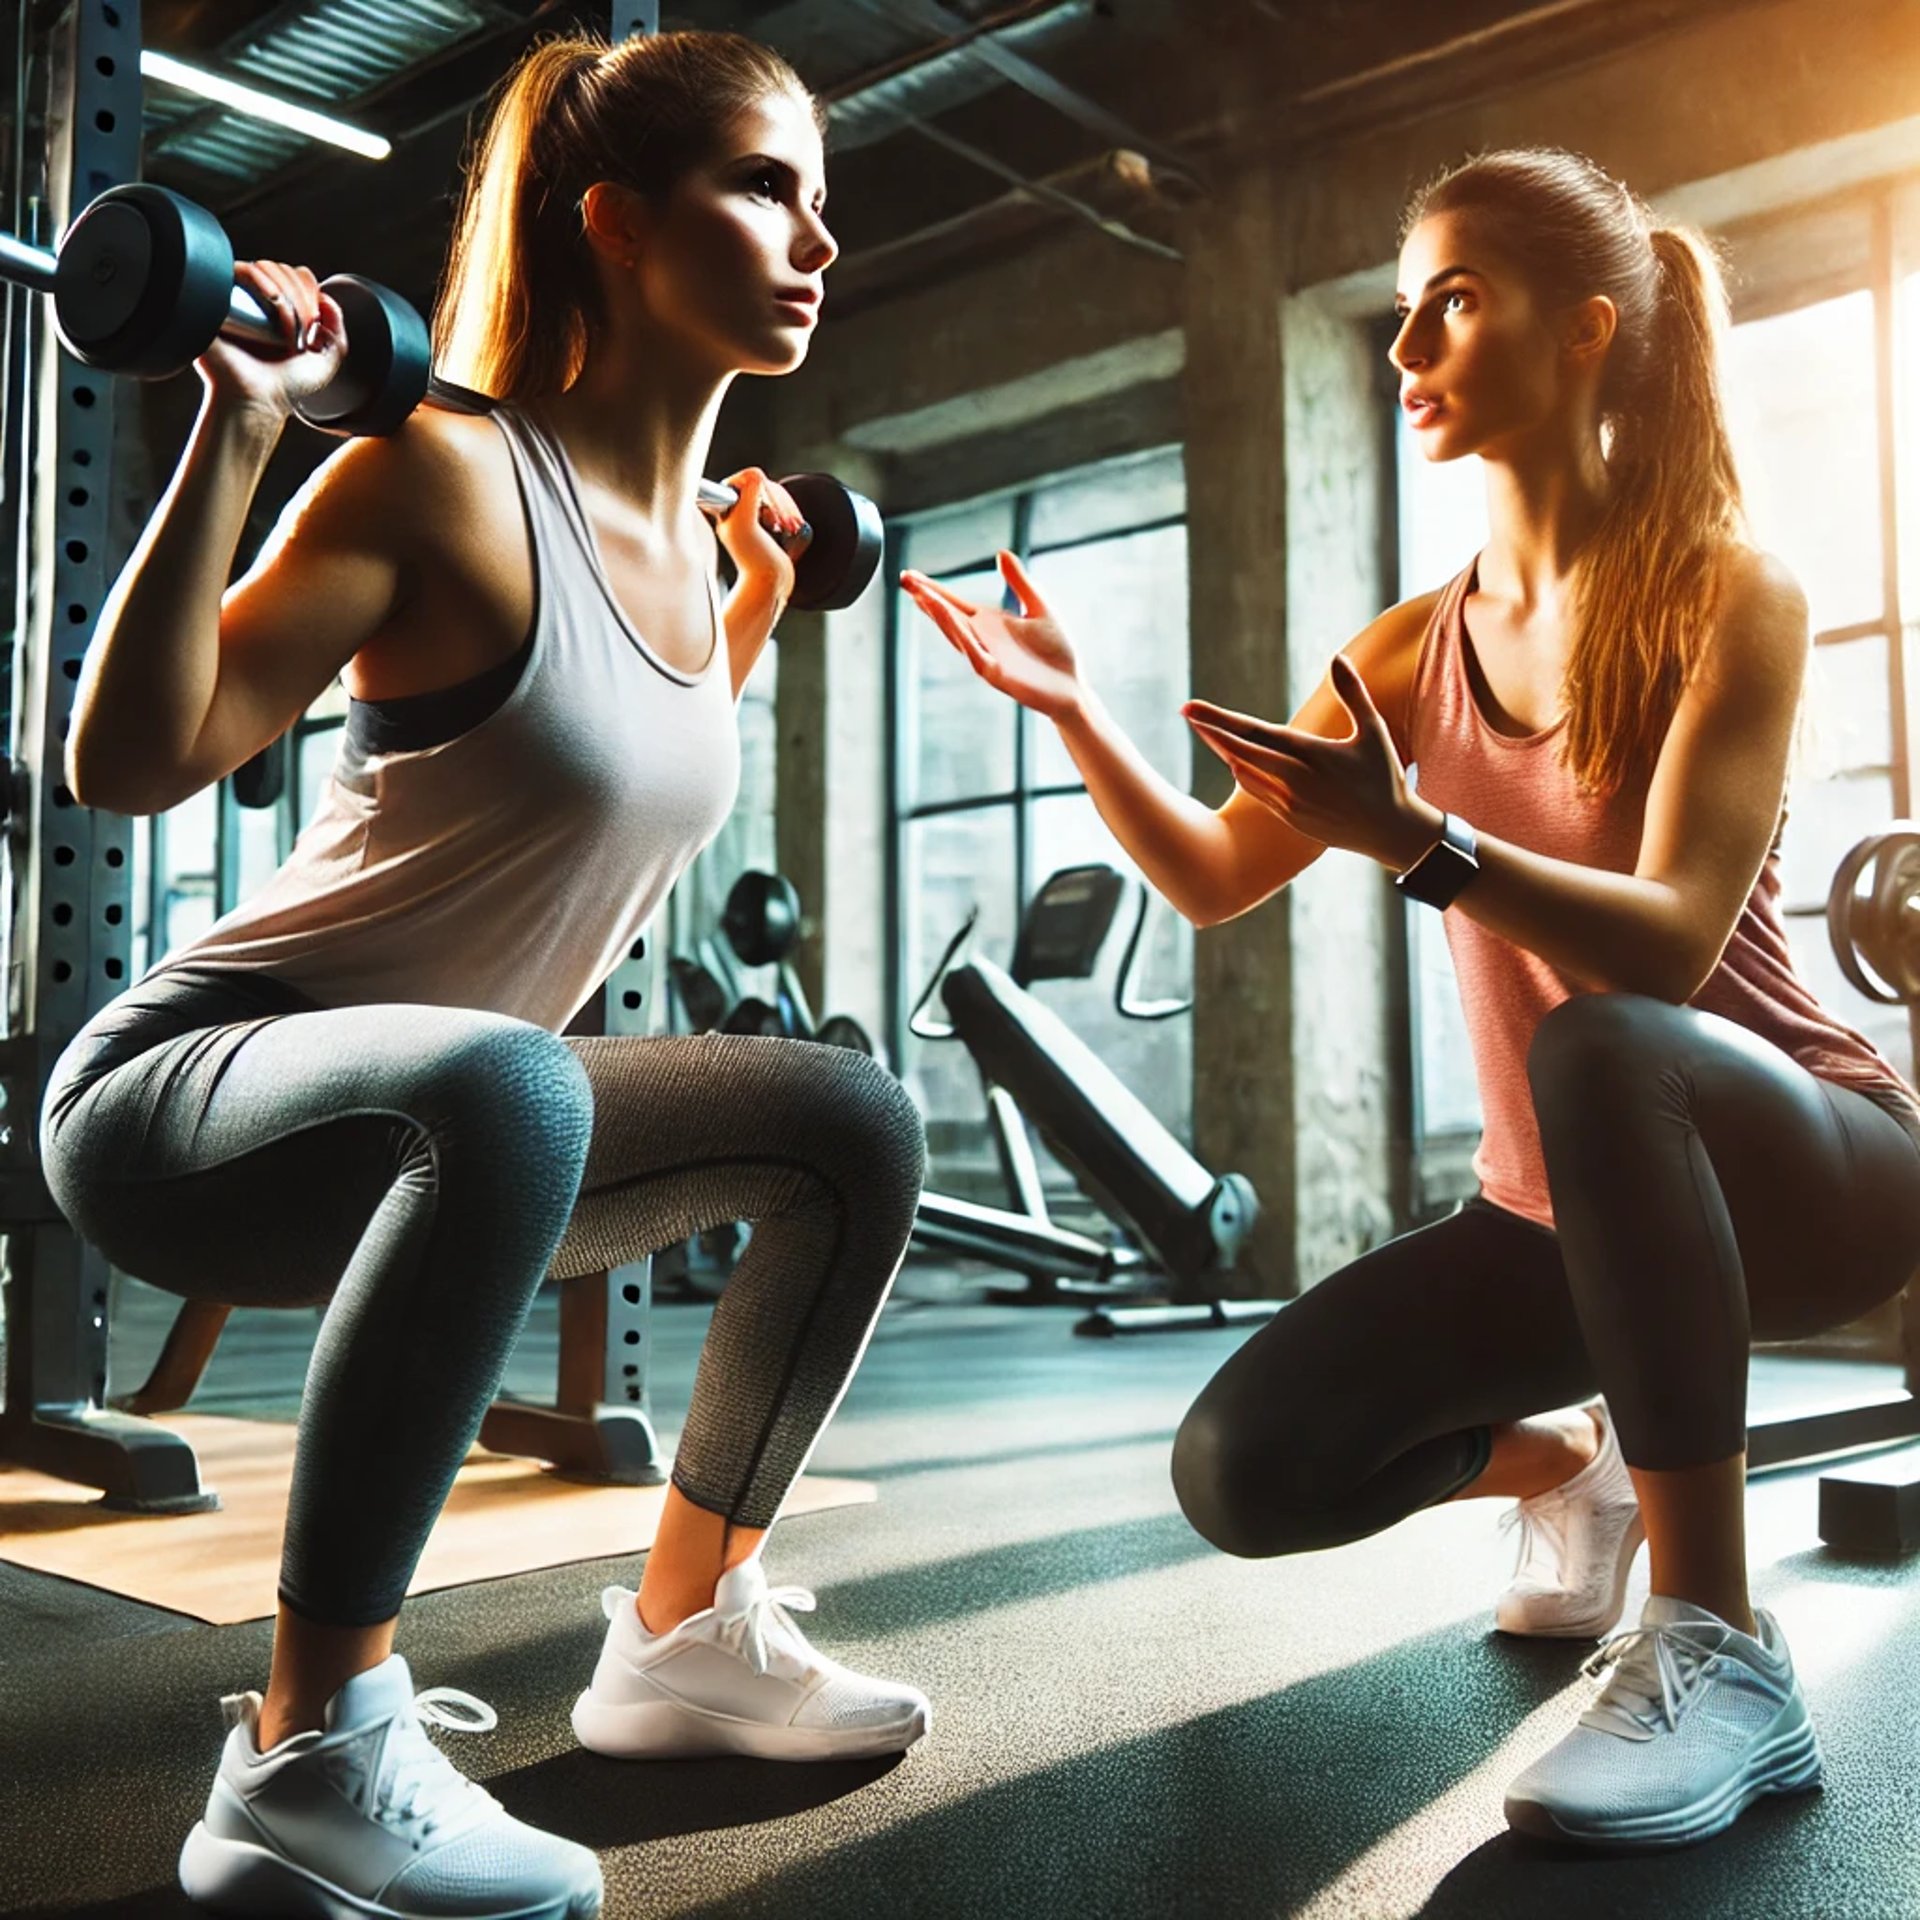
x: 34, y: 268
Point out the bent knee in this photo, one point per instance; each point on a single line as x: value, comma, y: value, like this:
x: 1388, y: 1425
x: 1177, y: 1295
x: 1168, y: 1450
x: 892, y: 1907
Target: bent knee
x: 511, y: 1079
x: 1227, y: 1488
x: 1596, y: 1037
x: 857, y: 1116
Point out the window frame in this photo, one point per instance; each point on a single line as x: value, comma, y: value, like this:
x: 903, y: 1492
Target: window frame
x: 1023, y: 795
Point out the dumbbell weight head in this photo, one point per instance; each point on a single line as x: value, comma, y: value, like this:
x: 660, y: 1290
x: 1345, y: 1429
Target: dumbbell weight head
x: 843, y: 1030
x: 762, y: 918
x: 756, y: 1017
x: 843, y: 554
x: 703, y: 1000
x: 261, y: 781
x: 388, y: 365
x: 143, y: 283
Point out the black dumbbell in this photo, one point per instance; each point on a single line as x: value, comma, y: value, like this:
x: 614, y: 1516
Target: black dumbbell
x: 843, y: 1030
x: 143, y: 284
x: 762, y: 918
x: 758, y: 1017
x: 703, y: 1000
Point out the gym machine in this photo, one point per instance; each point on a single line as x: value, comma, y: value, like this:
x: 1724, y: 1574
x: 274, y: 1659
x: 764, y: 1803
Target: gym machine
x: 1186, y: 1224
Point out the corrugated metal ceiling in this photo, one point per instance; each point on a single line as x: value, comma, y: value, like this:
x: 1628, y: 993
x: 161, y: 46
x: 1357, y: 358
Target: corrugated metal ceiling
x: 331, y: 52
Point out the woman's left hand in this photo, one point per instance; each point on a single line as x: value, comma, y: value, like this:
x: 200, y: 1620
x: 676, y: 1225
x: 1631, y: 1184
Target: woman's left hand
x: 763, y: 533
x: 1349, y: 793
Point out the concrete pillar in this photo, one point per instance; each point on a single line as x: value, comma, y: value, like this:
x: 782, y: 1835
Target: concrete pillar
x: 831, y: 782
x: 1233, y: 391
x: 1298, y: 1019
x: 1350, y: 1031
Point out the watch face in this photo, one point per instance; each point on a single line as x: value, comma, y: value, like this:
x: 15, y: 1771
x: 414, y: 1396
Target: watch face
x: 1439, y: 875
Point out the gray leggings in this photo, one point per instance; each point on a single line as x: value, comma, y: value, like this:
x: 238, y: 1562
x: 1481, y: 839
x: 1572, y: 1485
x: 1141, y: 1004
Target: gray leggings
x: 421, y: 1169
x: 1708, y: 1191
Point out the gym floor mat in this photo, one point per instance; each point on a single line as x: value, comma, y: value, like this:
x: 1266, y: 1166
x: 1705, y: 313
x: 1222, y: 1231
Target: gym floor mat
x: 504, y: 1516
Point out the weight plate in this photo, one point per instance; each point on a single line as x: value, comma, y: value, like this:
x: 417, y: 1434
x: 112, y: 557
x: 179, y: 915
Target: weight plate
x: 848, y: 537
x: 762, y: 918
x: 703, y: 1000
x: 1875, y: 929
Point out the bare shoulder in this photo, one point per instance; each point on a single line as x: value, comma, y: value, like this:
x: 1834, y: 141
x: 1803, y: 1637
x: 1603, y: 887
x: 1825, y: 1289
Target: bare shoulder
x: 408, y: 492
x: 1395, y: 637
x: 1762, y: 625
x: 1755, y: 582
x: 1387, y: 653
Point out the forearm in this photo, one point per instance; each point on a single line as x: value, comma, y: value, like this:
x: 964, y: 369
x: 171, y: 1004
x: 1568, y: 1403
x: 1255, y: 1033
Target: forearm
x: 1611, y: 932
x: 154, y: 659
x: 1177, y: 842
x: 752, y: 612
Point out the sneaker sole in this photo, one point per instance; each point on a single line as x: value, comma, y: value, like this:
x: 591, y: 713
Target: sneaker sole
x: 1786, y: 1761
x: 236, y: 1877
x: 662, y: 1730
x: 1595, y: 1624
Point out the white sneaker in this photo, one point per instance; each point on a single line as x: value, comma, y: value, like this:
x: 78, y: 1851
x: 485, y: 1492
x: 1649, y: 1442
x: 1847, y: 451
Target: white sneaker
x: 1696, y: 1721
x: 1577, y: 1543
x: 738, y: 1678
x: 369, y: 1820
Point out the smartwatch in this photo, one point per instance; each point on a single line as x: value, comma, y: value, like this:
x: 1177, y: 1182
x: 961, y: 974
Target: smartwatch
x: 1438, y: 876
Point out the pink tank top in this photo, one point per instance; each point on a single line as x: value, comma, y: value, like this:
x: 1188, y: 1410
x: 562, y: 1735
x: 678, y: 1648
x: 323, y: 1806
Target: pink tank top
x: 1516, y: 788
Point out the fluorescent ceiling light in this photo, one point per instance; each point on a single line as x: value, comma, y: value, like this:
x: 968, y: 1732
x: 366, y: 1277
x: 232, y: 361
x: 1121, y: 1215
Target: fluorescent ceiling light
x: 263, y: 106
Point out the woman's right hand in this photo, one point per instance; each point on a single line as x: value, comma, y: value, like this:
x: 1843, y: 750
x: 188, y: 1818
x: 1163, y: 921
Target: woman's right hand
x: 315, y: 335
x: 1024, y: 654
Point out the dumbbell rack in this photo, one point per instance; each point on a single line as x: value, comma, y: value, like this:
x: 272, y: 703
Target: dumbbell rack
x: 69, y: 871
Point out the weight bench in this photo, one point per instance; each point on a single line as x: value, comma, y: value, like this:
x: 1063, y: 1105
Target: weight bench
x: 1190, y: 1223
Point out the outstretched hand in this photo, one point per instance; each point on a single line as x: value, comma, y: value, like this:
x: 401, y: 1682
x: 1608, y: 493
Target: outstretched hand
x: 1349, y: 793
x: 1025, y: 654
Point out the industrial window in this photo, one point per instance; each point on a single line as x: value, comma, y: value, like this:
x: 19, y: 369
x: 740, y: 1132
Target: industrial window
x: 985, y: 801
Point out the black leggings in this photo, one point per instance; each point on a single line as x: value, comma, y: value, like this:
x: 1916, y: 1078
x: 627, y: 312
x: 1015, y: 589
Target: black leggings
x: 1708, y: 1191
x: 421, y: 1169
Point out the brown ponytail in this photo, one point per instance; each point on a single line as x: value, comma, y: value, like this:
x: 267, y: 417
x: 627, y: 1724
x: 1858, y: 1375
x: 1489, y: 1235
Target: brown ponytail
x: 1649, y: 581
x: 520, y: 301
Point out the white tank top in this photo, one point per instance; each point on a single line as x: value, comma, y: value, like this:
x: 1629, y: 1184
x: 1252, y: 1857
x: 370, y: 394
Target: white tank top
x: 512, y: 868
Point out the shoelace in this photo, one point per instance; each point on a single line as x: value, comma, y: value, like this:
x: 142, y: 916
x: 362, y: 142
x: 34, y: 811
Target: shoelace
x: 750, y: 1631
x: 1646, y: 1660
x: 413, y: 1765
x: 1540, y: 1538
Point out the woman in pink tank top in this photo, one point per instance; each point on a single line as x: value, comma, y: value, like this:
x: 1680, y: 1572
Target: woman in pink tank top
x: 1683, y: 1150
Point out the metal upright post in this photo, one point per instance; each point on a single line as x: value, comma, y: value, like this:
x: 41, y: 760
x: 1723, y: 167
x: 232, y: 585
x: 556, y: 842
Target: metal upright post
x: 69, y: 891
x: 628, y: 17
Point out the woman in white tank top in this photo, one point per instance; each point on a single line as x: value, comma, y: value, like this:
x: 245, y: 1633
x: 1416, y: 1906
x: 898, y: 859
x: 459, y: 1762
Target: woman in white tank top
x: 352, y: 1089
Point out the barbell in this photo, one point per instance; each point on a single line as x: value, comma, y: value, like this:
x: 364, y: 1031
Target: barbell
x: 143, y: 284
